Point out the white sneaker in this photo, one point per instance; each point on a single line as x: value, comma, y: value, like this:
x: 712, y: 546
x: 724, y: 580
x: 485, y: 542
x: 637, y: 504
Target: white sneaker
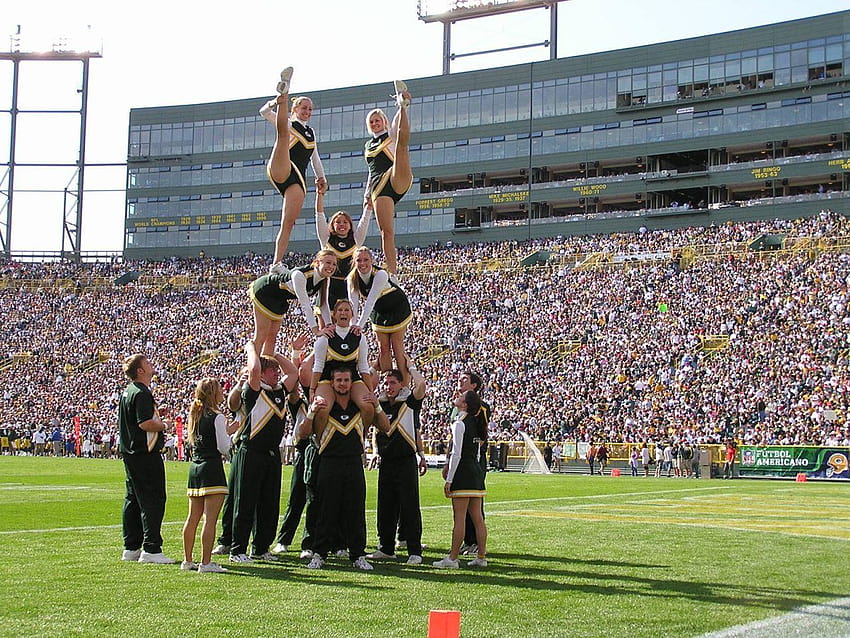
x: 278, y: 268
x: 188, y: 565
x: 447, y: 563
x: 342, y: 553
x: 268, y: 557
x: 306, y: 553
x: 400, y: 100
x: 280, y: 548
x: 285, y: 77
x: 240, y: 558
x: 361, y: 563
x: 159, y: 558
x: 221, y: 550
x: 413, y: 559
x: 379, y: 555
x: 316, y: 563
x: 477, y: 562
x: 131, y: 555
x: 211, y: 568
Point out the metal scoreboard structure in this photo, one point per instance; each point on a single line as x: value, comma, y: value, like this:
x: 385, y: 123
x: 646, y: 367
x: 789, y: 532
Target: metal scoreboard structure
x: 450, y: 11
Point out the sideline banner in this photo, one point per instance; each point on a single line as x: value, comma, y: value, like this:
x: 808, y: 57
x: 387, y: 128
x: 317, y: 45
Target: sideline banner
x: 788, y: 461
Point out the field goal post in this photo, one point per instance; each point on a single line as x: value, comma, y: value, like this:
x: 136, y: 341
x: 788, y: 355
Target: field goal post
x: 534, y: 463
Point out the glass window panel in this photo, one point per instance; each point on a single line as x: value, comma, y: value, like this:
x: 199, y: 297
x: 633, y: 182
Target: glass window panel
x: 685, y: 75
x: 833, y: 53
x: 733, y: 69
x: 701, y: 73
x: 816, y: 55
x: 523, y: 99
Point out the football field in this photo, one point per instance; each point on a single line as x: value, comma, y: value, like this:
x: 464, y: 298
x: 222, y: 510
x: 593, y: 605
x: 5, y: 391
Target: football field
x: 568, y: 556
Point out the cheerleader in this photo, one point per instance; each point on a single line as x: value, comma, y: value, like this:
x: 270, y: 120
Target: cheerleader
x: 390, y: 174
x: 294, y: 148
x: 340, y: 236
x: 465, y: 479
x: 346, y: 347
x: 386, y: 305
x: 271, y: 294
x: 210, y: 440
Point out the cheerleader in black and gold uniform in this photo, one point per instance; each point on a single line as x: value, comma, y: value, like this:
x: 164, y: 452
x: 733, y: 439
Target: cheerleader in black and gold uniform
x: 271, y: 294
x: 386, y: 306
x: 294, y: 148
x: 390, y: 174
x: 207, y: 433
x: 465, y: 479
x: 340, y: 236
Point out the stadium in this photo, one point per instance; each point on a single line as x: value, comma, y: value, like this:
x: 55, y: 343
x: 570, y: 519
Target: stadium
x: 637, y: 247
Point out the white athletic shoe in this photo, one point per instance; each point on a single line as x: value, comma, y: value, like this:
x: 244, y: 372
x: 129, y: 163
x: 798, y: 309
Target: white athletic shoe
x: 221, y: 550
x: 361, y: 563
x: 280, y: 548
x: 240, y: 558
x: 285, y: 77
x: 268, y: 557
x: 379, y: 555
x: 131, y: 555
x: 447, y: 563
x: 316, y: 563
x: 278, y: 268
x: 158, y: 558
x: 188, y: 565
x: 400, y: 100
x: 306, y: 553
x: 211, y: 568
x: 477, y: 562
x: 413, y: 559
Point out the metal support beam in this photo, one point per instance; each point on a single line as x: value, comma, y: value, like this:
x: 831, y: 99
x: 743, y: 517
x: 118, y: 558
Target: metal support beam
x: 489, y: 9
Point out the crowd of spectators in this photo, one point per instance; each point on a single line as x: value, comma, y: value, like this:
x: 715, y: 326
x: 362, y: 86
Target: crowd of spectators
x: 568, y: 353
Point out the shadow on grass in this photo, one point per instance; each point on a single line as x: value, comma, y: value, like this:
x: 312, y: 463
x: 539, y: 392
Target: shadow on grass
x: 513, y: 571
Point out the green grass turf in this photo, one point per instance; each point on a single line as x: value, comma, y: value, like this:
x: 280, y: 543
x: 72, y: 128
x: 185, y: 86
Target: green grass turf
x: 569, y: 556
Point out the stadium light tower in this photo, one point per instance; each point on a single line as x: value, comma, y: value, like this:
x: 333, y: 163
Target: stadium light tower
x: 450, y: 11
x: 62, y: 48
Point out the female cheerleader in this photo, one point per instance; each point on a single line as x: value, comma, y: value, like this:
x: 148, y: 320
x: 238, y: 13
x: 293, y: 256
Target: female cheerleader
x: 271, y: 294
x: 386, y: 306
x: 390, y: 175
x: 465, y: 479
x: 340, y: 236
x: 293, y: 149
x: 345, y: 347
x: 210, y: 440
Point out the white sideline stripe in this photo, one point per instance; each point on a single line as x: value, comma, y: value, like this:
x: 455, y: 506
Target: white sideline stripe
x: 825, y: 620
x: 490, y: 504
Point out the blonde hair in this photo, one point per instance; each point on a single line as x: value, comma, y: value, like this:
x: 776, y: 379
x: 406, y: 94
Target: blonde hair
x: 324, y: 252
x: 296, y: 101
x: 353, y: 272
x: 205, y: 394
x: 383, y: 117
x: 337, y: 214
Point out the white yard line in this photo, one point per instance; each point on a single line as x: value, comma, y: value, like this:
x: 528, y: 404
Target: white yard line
x: 825, y: 620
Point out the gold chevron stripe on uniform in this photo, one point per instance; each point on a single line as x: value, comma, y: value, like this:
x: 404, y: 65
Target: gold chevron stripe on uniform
x: 296, y: 138
x: 383, y: 146
x: 398, y: 424
x: 151, y: 441
x: 333, y: 355
x: 335, y: 426
x: 266, y: 415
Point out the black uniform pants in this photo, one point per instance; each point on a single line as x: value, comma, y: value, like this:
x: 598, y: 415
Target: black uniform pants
x: 255, y: 481
x: 144, y: 502
x: 341, y: 505
x: 398, y: 504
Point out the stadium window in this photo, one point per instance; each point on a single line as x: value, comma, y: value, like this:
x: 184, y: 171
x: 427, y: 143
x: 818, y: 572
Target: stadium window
x: 758, y: 107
